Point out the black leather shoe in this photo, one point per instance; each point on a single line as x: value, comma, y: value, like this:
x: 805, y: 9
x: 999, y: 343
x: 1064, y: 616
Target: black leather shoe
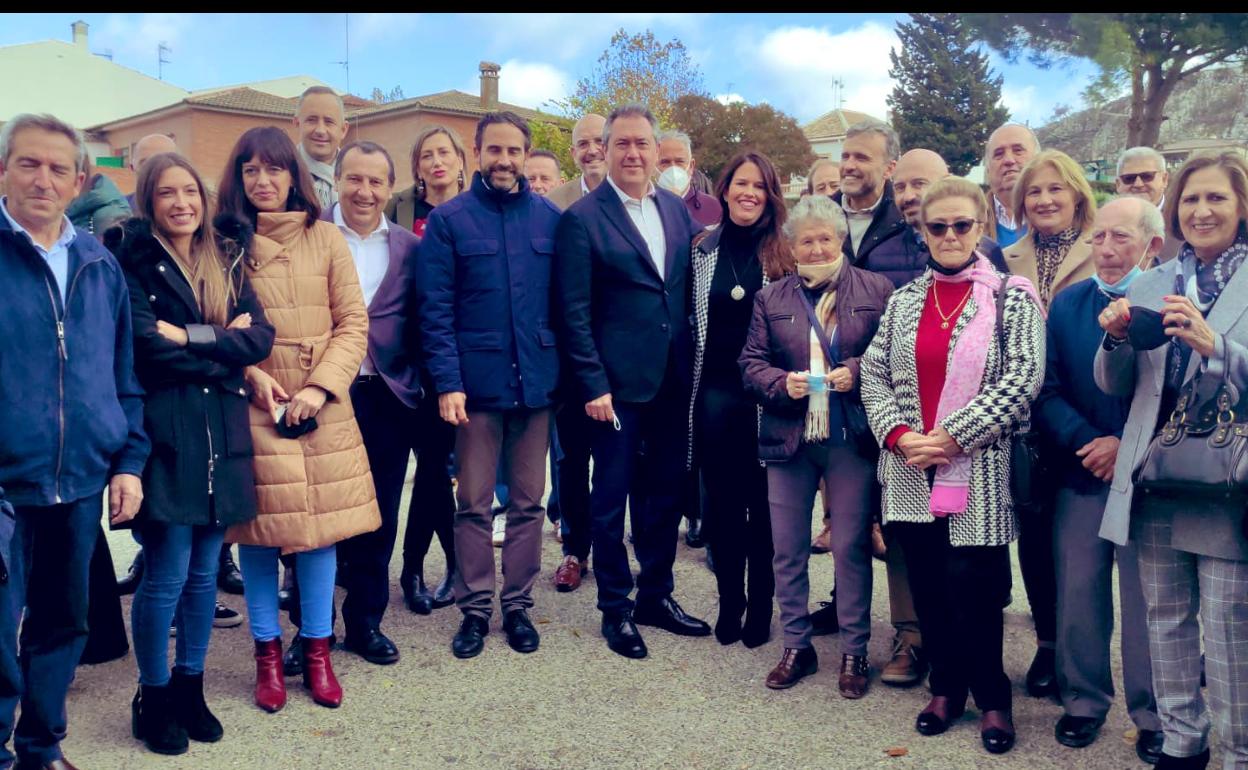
x: 728, y: 625
x: 1042, y: 675
x: 1148, y: 745
x: 229, y: 578
x: 667, y: 615
x: 470, y: 639
x: 996, y: 731
x: 1077, y: 732
x: 622, y: 635
x: 444, y: 594
x: 373, y: 646
x: 416, y: 595
x: 521, y: 634
x: 693, y: 535
x: 939, y: 713
x: 757, y: 629
x: 1197, y: 762
x: 292, y: 661
x: 823, y: 620
x: 129, y: 583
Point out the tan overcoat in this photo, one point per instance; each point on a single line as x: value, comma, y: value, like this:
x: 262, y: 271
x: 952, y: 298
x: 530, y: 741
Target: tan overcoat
x: 315, y: 490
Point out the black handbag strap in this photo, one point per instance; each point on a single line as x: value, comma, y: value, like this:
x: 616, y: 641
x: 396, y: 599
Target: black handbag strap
x: 1001, y: 313
x: 829, y: 353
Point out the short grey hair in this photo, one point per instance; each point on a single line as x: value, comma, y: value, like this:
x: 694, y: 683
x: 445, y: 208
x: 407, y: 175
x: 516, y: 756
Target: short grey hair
x: 892, y: 142
x: 673, y: 135
x: 44, y: 122
x: 327, y: 91
x: 816, y: 208
x: 629, y: 111
x: 1035, y: 140
x: 1141, y: 153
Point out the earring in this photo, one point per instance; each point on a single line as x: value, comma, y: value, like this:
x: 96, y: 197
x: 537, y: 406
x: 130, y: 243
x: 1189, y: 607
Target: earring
x: 461, y: 180
x: 420, y: 188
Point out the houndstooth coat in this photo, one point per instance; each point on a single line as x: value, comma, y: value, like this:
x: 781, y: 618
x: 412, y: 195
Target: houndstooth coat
x: 982, y: 427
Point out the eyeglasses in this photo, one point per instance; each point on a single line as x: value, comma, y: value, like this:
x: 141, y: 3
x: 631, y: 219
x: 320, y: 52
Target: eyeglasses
x: 1146, y: 177
x: 961, y: 227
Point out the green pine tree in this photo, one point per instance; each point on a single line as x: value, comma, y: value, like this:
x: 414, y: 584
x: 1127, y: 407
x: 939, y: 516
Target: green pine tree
x: 946, y: 99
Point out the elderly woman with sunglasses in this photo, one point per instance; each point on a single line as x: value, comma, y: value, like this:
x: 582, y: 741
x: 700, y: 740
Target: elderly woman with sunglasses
x: 945, y: 384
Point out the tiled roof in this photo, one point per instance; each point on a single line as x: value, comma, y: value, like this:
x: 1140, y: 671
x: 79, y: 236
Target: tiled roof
x: 456, y: 102
x: 834, y: 123
x: 245, y: 100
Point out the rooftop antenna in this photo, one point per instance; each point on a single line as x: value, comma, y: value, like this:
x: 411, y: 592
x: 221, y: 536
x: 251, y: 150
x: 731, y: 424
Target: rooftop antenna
x: 161, y: 50
x: 346, y: 54
x: 107, y: 53
x: 838, y: 92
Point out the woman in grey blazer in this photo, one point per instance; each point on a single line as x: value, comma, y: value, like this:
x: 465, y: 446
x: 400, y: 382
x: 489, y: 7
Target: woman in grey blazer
x: 1193, y: 555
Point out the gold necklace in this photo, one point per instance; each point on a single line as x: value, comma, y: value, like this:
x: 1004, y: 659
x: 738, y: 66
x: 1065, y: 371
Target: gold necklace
x: 944, y: 319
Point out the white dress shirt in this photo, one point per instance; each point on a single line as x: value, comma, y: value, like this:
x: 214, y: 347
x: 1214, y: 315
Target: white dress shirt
x: 372, y: 258
x: 645, y: 216
x: 859, y: 220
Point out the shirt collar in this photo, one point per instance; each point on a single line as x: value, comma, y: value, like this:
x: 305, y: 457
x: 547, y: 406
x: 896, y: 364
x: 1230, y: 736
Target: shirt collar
x: 868, y: 210
x: 68, y: 231
x: 382, y: 229
x: 584, y: 187
x: 1004, y: 216
x: 625, y: 197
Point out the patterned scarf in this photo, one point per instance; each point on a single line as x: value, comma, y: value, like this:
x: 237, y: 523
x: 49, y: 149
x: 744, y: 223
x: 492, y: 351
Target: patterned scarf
x: 1202, y: 283
x: 1051, y: 250
x: 825, y: 278
x: 964, y: 378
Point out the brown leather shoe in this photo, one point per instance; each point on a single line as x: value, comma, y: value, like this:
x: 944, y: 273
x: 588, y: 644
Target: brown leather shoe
x: 568, y: 575
x: 906, y: 669
x: 56, y: 764
x: 794, y: 664
x: 823, y: 541
x: 855, y: 676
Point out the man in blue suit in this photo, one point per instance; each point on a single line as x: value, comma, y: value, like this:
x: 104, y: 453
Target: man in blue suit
x: 622, y: 278
x: 485, y: 285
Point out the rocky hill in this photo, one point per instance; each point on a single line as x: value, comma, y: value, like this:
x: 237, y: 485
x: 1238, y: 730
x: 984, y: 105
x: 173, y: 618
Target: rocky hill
x: 1210, y: 105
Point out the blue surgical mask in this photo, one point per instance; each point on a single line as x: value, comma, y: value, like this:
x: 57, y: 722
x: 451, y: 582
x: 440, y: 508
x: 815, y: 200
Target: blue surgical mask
x: 1118, y: 289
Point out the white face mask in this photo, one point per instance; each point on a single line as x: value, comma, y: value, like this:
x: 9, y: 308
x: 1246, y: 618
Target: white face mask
x: 674, y: 179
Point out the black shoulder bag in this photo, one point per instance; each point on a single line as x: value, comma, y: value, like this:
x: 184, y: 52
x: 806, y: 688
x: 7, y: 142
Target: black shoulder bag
x: 1027, y: 470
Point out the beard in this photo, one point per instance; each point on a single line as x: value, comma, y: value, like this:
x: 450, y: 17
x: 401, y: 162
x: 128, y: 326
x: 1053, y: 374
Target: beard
x: 502, y: 177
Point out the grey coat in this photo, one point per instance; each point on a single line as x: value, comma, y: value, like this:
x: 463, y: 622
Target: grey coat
x: 1127, y: 373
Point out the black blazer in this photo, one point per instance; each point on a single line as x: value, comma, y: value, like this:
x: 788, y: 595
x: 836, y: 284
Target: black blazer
x: 195, y: 407
x: 618, y: 319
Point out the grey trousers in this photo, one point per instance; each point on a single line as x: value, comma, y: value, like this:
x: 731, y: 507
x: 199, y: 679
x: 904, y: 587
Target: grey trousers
x: 901, y: 610
x: 850, y: 481
x: 523, y: 437
x: 1179, y: 585
x: 1085, y: 614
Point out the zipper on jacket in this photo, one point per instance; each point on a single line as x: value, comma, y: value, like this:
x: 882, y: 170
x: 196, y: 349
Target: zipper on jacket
x: 60, y: 384
x: 212, y: 463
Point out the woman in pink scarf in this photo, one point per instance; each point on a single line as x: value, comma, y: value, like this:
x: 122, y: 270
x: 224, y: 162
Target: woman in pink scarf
x: 944, y: 397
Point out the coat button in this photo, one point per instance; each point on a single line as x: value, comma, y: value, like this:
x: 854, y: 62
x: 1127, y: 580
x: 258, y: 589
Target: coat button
x: 242, y: 391
x: 205, y: 391
x: 663, y: 327
x: 151, y: 297
x: 161, y: 268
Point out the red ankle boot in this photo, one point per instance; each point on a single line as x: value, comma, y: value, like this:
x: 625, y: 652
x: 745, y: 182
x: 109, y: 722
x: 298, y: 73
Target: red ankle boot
x: 270, y: 684
x: 318, y: 673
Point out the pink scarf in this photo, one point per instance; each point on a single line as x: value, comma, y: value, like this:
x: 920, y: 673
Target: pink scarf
x: 964, y: 378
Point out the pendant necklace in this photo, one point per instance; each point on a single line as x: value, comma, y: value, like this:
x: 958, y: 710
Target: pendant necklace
x: 944, y: 319
x: 738, y: 291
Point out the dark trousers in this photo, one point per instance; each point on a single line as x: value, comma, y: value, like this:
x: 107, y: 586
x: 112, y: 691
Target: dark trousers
x: 106, y: 637
x: 1038, y: 564
x: 575, y: 429
x: 48, y: 570
x: 391, y: 434
x: 737, y: 524
x: 959, y: 593
x: 432, y: 506
x: 660, y: 425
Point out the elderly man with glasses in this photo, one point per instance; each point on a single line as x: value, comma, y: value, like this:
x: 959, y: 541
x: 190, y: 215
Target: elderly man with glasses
x: 1142, y: 174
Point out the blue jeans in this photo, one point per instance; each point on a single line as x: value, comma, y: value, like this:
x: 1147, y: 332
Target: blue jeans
x: 179, y: 576
x: 316, y: 590
x: 50, y: 554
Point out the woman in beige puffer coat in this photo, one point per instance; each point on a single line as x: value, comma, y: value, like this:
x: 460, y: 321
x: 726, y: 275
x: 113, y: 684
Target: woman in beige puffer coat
x: 316, y: 489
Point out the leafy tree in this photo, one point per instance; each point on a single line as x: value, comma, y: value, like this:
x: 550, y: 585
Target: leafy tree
x: 557, y: 139
x: 720, y: 131
x: 1150, y: 52
x: 636, y: 68
x: 946, y: 98
x: 385, y: 97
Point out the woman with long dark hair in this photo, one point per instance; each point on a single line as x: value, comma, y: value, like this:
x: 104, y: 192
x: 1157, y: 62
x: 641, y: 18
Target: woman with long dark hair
x: 197, y: 324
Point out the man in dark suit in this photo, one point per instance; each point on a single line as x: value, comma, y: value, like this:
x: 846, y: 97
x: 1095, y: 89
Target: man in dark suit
x: 622, y: 277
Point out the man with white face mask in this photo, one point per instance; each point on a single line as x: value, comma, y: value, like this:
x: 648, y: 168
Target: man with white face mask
x: 676, y: 168
x: 1082, y: 426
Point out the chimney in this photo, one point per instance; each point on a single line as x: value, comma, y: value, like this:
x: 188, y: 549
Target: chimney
x: 489, y: 85
x: 79, y: 29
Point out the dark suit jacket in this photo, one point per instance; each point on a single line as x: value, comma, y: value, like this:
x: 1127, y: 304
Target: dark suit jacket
x: 618, y: 319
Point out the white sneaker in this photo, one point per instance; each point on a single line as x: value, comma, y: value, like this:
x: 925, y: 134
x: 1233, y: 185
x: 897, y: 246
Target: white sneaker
x: 500, y: 529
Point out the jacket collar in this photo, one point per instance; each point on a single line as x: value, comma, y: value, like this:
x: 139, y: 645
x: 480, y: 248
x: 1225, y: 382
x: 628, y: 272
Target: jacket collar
x: 495, y: 198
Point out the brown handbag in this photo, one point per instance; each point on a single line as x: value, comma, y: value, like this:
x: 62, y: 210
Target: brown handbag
x: 1202, y: 450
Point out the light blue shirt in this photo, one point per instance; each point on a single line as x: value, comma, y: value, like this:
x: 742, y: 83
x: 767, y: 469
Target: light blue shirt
x: 58, y: 256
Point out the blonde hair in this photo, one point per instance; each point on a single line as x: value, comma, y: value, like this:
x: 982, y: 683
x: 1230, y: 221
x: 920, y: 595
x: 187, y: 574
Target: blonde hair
x: 456, y: 144
x: 955, y: 187
x: 1071, y: 174
x: 209, y: 270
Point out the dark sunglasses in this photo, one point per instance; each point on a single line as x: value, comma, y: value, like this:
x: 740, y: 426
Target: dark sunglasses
x: 1146, y: 177
x: 961, y: 227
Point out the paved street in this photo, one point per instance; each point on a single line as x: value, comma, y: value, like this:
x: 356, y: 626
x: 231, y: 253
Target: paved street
x: 574, y: 704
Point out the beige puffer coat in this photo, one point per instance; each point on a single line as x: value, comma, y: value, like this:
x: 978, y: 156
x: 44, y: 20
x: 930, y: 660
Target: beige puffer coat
x: 315, y: 490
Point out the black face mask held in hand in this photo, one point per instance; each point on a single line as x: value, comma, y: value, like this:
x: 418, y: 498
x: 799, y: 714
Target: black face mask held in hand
x: 1145, y: 331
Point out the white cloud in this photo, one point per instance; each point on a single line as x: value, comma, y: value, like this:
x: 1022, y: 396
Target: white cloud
x: 134, y: 38
x: 528, y: 84
x: 799, y: 65
x: 733, y: 98
x: 370, y: 28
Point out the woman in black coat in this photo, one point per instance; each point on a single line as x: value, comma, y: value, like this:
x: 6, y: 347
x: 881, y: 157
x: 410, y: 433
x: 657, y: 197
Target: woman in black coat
x: 197, y: 323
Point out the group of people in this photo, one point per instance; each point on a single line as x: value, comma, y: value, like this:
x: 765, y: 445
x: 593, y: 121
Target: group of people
x: 897, y: 343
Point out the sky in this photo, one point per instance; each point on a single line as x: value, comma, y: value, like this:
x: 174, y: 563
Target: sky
x: 791, y: 61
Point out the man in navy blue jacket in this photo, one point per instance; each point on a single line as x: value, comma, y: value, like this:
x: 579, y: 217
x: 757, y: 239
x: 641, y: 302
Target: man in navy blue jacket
x: 485, y: 277
x: 71, y: 422
x: 623, y: 282
x: 1081, y: 427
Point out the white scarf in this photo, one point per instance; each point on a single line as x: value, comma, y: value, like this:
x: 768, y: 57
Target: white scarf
x: 826, y: 277
x: 322, y: 178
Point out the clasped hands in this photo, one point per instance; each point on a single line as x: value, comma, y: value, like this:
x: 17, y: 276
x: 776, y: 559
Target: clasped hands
x: 924, y: 451
x: 269, y: 395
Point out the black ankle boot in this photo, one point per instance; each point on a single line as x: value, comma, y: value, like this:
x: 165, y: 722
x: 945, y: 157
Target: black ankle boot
x: 187, y: 692
x: 152, y: 721
x: 757, y: 629
x: 728, y: 624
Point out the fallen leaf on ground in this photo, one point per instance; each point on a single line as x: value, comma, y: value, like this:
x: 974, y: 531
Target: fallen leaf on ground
x: 897, y: 751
